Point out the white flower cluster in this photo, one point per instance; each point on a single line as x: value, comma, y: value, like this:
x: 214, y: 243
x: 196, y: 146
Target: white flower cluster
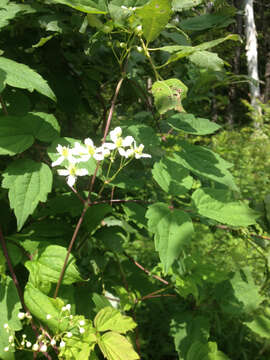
x: 126, y: 147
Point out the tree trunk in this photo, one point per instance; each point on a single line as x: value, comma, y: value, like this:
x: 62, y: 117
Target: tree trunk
x: 251, y: 51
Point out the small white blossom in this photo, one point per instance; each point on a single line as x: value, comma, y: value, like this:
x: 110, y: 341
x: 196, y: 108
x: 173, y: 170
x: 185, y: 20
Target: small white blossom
x: 53, y: 342
x: 138, y: 151
x: 5, y: 326
x: 35, y: 347
x: 72, y: 172
x: 11, y: 338
x: 68, y: 307
x: 82, y: 322
x: 62, y: 344
x: 81, y: 330
x: 24, y: 336
x: 21, y: 315
x: 88, y: 151
x: 48, y: 316
x: 71, y: 317
x: 43, y: 348
x: 28, y: 344
x: 6, y: 348
x: 69, y: 334
x: 117, y: 141
x: 65, y: 153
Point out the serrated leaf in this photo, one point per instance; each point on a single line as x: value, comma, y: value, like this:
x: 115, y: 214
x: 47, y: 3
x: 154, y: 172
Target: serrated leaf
x: 2, y: 80
x: 10, y: 306
x: 206, y: 21
x: 10, y: 9
x: 191, y: 125
x: 29, y: 183
x: 171, y: 177
x: 205, y: 163
x: 87, y: 6
x: 173, y: 229
x: 40, y: 305
x: 154, y: 17
x: 168, y: 94
x: 217, y: 204
x: 49, y: 264
x: 23, y: 77
x: 207, y: 60
x: 185, y: 51
x: 205, y: 351
x: 260, y: 325
x: 116, y: 347
x: 109, y: 318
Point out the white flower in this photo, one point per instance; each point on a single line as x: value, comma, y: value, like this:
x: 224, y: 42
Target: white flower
x: 88, y: 151
x: 6, y: 348
x: 35, y: 347
x: 82, y: 322
x: 48, y: 316
x: 62, y: 344
x: 28, y: 344
x: 53, y: 342
x: 138, y: 151
x: 10, y: 338
x: 69, y: 334
x: 5, y: 326
x: 72, y: 172
x: 118, y: 142
x: 65, y: 153
x: 81, y: 330
x: 43, y: 348
x: 68, y: 307
x: 21, y: 315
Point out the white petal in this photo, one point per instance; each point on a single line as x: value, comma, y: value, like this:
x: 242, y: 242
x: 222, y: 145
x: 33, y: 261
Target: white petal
x: 89, y: 142
x: 71, y: 180
x: 59, y: 148
x: 81, y: 172
x: 109, y: 146
x: 98, y: 156
x: 58, y: 161
x: 122, y: 152
x: 116, y: 133
x: 128, y: 140
x: 63, y: 172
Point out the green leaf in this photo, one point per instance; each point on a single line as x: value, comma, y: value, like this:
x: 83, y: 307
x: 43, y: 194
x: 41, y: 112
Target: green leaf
x: 116, y: 347
x: 172, y: 228
x: 207, y: 60
x: 202, y: 351
x: 260, y: 325
x: 9, y: 10
x: 95, y: 214
x: 205, y: 163
x: 111, y: 237
x: 185, y: 51
x: 10, y: 306
x: 171, y: 177
x: 2, y: 80
x: 191, y: 125
x: 29, y: 183
x: 206, y: 21
x: 180, y: 5
x: 217, y: 204
x: 109, y: 318
x: 168, y: 94
x: 40, y: 305
x: 87, y: 6
x: 154, y: 17
x: 49, y: 264
x: 23, y: 77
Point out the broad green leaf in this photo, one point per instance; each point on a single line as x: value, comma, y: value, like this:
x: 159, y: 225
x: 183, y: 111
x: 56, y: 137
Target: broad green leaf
x: 187, y: 328
x: 10, y: 306
x: 180, y: 5
x: 154, y: 17
x: 202, y: 351
x: 49, y: 263
x: 206, y: 21
x: 23, y: 77
x: 95, y: 214
x: 120, y: 10
x: 29, y: 183
x: 10, y: 9
x: 217, y: 204
x: 135, y: 212
x: 87, y: 6
x: 172, y: 228
x: 205, y: 163
x: 41, y: 305
x: 2, y: 80
x: 260, y: 325
x: 116, y: 347
x: 207, y: 60
x: 111, y: 237
x: 185, y: 51
x: 191, y: 125
x: 100, y: 302
x: 109, y: 318
x: 171, y: 177
x: 168, y: 94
